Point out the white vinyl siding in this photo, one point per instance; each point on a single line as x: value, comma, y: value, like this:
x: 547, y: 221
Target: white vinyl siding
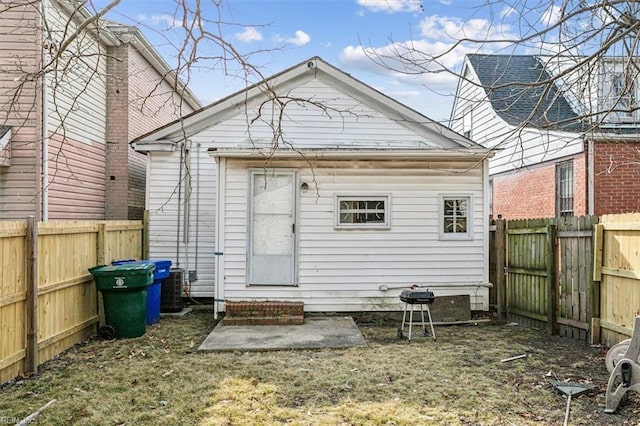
x: 347, y: 123
x: 516, y: 147
x: 77, y: 98
x: 193, y: 249
x: 343, y: 270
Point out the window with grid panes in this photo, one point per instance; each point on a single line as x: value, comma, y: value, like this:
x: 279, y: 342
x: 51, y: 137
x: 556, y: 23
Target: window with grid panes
x: 362, y: 211
x: 455, y: 217
x: 564, y: 188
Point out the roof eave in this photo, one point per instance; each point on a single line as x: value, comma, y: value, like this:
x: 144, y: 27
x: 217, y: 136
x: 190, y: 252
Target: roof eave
x: 163, y: 145
x: 353, y: 154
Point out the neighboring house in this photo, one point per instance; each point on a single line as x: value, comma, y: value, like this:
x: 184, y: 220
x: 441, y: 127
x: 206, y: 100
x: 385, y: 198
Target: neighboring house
x: 554, y: 157
x: 332, y: 194
x: 64, y: 132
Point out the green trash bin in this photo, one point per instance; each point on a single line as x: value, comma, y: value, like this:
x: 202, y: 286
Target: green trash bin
x: 124, y: 293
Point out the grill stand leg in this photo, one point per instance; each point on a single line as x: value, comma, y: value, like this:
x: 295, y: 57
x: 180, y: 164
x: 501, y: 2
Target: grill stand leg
x: 433, y: 332
x: 424, y: 327
x: 410, y: 321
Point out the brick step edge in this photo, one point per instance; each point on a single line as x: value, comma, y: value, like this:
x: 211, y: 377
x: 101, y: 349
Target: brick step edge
x: 255, y: 309
x: 280, y: 320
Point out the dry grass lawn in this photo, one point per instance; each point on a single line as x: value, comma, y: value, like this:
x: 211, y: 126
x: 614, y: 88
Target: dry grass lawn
x: 160, y: 378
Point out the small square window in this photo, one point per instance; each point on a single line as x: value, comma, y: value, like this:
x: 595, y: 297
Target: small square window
x: 362, y: 211
x: 455, y: 217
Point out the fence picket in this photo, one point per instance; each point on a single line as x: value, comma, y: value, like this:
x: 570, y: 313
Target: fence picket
x: 48, y: 301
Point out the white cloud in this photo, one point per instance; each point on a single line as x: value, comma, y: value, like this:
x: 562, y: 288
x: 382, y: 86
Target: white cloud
x: 249, y: 34
x: 300, y: 38
x: 451, y: 28
x: 391, y: 6
x: 551, y: 15
x: 429, y: 63
x: 383, y: 61
x: 164, y: 20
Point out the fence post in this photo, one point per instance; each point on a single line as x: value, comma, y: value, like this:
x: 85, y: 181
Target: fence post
x: 552, y: 264
x: 500, y: 265
x: 145, y: 235
x: 597, y: 244
x: 31, y: 358
x: 101, y: 258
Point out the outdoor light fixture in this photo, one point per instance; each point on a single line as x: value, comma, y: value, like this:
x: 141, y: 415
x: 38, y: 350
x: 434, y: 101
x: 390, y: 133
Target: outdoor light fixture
x: 304, y: 187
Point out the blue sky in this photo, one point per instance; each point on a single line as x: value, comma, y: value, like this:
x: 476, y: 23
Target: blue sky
x: 286, y: 32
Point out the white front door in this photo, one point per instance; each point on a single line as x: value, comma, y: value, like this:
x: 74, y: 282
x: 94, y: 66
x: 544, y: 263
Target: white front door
x: 272, y: 228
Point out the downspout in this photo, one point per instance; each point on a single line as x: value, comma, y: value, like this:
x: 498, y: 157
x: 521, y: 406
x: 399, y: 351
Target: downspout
x: 178, y: 207
x: 219, y: 223
x: 186, y: 232
x: 43, y: 210
x: 197, y: 203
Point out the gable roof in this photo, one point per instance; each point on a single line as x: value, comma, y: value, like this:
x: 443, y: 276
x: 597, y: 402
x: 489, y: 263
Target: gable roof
x: 315, y: 67
x: 521, y: 90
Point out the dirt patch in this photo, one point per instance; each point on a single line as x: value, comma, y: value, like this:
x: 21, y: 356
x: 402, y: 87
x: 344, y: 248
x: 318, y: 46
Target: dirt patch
x: 456, y: 380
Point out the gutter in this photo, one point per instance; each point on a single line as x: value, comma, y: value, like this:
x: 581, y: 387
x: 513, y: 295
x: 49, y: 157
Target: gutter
x: 162, y: 145
x: 349, y: 154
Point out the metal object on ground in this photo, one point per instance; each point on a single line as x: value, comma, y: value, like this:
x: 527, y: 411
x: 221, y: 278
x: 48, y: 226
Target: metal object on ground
x: 616, y: 353
x: 626, y: 373
x: 416, y: 297
x: 570, y: 389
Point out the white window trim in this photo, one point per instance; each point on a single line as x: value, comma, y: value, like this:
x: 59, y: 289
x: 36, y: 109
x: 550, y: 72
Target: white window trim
x: 362, y: 197
x: 608, y: 99
x: 455, y: 236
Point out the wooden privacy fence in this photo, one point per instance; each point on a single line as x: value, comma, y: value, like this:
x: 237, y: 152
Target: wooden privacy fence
x: 617, y: 268
x: 547, y: 281
x: 48, y: 301
x: 577, y: 277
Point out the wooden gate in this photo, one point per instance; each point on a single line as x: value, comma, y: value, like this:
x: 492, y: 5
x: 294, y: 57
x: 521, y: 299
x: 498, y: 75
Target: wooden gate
x: 576, y: 299
x: 548, y: 277
x: 530, y: 273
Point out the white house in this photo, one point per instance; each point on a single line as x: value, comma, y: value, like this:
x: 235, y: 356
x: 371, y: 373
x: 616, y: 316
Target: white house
x: 312, y: 186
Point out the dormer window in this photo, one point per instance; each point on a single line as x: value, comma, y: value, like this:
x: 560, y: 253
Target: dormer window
x: 624, y: 97
x: 619, y: 92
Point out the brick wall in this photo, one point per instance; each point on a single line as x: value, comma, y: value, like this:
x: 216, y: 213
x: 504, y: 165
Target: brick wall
x: 531, y: 192
x: 117, y: 150
x: 617, y: 177
x: 138, y: 101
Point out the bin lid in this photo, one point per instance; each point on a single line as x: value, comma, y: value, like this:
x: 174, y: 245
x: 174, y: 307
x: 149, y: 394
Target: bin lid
x: 131, y: 268
x: 162, y: 266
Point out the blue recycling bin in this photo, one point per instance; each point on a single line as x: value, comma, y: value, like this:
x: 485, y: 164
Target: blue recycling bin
x: 153, y: 291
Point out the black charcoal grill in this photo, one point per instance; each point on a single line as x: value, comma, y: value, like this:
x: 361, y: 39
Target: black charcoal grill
x: 416, y: 297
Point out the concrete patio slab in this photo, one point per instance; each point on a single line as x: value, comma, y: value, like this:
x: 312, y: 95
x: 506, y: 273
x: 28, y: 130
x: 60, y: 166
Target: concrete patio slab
x: 316, y: 332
